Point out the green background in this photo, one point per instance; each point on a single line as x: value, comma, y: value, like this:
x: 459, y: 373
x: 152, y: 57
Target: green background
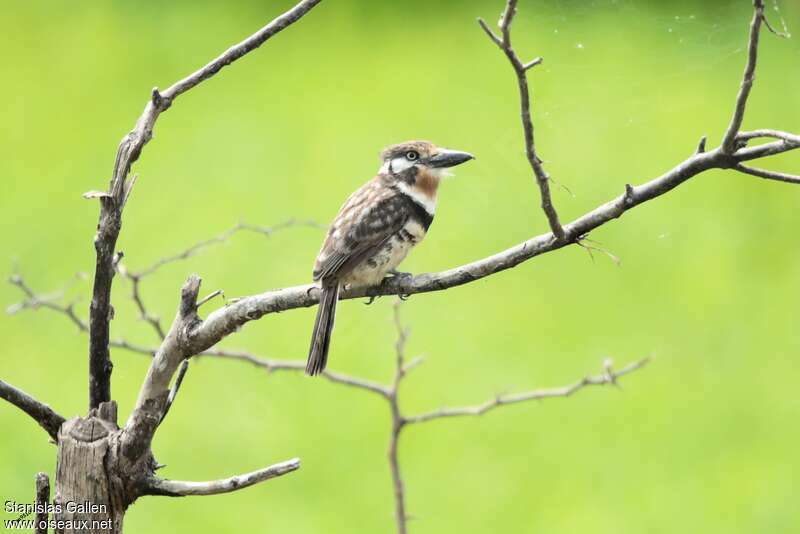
x: 703, y: 440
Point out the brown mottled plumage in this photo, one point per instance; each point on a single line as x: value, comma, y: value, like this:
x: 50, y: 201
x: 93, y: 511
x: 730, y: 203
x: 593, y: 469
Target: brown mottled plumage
x: 376, y: 228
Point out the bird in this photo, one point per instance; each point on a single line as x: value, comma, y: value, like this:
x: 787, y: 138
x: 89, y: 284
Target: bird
x: 376, y: 228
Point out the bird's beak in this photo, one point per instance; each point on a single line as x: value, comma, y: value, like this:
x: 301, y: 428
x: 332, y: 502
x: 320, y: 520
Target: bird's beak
x: 449, y: 158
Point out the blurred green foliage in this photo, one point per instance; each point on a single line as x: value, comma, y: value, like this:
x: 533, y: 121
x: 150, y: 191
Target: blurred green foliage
x: 703, y: 440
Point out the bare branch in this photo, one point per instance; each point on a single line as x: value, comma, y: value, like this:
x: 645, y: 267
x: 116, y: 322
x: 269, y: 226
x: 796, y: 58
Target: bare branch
x: 136, y: 296
x: 211, y: 296
x: 775, y: 134
x: 198, y: 247
x: 47, y: 418
x: 398, y: 420
x: 783, y: 34
x: 175, y: 387
x: 111, y: 206
x: 149, y: 409
x: 608, y: 378
x: 136, y: 277
x: 133, y: 347
x: 180, y: 488
x: 768, y: 175
x: 50, y: 301
x: 288, y: 365
x: 493, y: 36
x: 224, y: 321
x: 763, y: 150
x: 520, y: 69
x: 729, y: 140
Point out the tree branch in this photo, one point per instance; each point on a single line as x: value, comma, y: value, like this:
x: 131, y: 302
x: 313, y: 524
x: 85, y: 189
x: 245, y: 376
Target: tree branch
x: 47, y: 418
x: 136, y: 296
x: 729, y: 140
x: 768, y: 175
x: 288, y: 365
x: 180, y: 488
x: 775, y: 134
x: 398, y: 422
x: 196, y: 248
x: 153, y: 396
x: 35, y: 301
x: 136, y: 277
x: 175, y: 387
x: 112, y: 203
x: 608, y: 378
x: 521, y: 69
x: 226, y: 320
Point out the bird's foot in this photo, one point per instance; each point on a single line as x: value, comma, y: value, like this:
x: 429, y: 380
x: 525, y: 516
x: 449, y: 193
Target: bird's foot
x: 399, y: 275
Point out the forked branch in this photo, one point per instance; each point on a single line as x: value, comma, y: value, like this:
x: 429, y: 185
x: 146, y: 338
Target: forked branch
x: 521, y: 70
x: 729, y: 140
x: 609, y: 377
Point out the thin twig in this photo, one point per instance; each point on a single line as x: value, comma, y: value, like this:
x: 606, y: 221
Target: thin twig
x: 50, y: 301
x: 288, y: 365
x: 181, y: 488
x: 145, y: 315
x: 136, y: 277
x: 223, y: 237
x: 768, y: 175
x: 175, y: 387
x: 608, y: 378
x: 764, y: 132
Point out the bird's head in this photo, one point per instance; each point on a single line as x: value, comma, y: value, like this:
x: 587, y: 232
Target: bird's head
x: 406, y: 161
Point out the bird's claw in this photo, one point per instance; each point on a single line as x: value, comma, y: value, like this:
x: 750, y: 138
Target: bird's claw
x: 403, y: 296
x: 371, y: 300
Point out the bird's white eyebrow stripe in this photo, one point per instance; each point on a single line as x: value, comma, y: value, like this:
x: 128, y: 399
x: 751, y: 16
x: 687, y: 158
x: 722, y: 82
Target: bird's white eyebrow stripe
x: 396, y: 165
x: 400, y: 163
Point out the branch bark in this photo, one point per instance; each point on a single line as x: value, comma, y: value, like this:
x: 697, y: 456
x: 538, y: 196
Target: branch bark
x: 40, y: 412
x: 180, y: 488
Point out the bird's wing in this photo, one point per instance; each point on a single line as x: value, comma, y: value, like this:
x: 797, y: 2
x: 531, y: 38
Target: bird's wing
x: 369, y: 217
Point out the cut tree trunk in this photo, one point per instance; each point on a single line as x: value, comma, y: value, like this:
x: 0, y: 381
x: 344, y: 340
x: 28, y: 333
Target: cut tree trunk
x: 90, y: 497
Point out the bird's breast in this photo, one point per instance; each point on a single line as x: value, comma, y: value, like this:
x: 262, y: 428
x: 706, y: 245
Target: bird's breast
x: 374, y: 268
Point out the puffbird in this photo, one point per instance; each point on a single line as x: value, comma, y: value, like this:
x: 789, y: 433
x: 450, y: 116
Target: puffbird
x: 376, y: 228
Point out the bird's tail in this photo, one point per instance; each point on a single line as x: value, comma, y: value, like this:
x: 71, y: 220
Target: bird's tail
x: 323, y: 326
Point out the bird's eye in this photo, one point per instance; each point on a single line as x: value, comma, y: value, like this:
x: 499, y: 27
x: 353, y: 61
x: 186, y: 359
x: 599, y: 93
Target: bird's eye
x: 412, y: 155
